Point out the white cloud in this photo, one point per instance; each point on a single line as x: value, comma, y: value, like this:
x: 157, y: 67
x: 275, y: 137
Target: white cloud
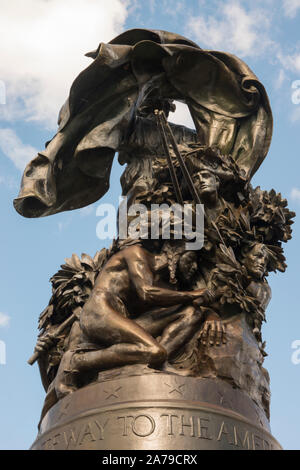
x: 280, y: 79
x: 234, y: 29
x: 4, y: 319
x: 9, y: 181
x: 295, y: 114
x: 295, y: 195
x: 44, y: 43
x: 173, y: 8
x: 290, y: 62
x: 13, y: 148
x: 247, y: 30
x: 291, y: 7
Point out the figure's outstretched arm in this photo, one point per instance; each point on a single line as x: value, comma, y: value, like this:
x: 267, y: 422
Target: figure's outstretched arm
x: 142, y: 277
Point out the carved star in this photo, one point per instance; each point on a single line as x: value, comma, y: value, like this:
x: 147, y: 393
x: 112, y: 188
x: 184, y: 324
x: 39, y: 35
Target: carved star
x: 225, y: 401
x: 176, y: 388
x: 113, y: 394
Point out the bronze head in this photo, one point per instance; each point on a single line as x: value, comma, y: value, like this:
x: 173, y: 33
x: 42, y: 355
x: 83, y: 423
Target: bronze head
x: 256, y: 260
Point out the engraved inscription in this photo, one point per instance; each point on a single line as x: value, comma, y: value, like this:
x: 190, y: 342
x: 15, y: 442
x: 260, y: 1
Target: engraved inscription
x: 76, y: 437
x: 224, y: 432
x: 193, y: 426
x: 241, y: 441
x: 187, y: 426
x: 87, y: 434
x: 204, y: 428
x: 173, y: 426
x: 141, y: 425
x: 170, y: 423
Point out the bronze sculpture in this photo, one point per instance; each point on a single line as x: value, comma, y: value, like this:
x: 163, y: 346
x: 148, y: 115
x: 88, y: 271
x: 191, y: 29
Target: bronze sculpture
x: 150, y: 308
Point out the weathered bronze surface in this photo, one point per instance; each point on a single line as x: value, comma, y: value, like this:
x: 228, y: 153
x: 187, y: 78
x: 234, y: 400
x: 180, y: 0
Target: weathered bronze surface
x: 173, y: 413
x: 150, y: 344
x: 228, y: 104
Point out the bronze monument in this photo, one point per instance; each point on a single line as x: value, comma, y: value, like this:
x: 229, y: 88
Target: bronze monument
x: 153, y: 344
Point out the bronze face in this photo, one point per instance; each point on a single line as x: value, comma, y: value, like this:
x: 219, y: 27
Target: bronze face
x: 256, y: 261
x: 188, y: 265
x: 206, y: 183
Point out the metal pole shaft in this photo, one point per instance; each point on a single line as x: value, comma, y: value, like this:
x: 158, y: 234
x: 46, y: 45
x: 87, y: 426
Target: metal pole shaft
x: 169, y: 158
x: 181, y: 162
x: 185, y: 171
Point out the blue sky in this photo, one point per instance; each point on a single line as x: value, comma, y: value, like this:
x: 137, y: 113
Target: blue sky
x: 44, y: 45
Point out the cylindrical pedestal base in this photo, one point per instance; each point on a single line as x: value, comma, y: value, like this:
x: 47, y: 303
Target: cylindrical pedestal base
x: 156, y: 411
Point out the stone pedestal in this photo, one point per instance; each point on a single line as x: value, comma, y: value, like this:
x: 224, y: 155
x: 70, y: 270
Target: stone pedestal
x: 143, y: 409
